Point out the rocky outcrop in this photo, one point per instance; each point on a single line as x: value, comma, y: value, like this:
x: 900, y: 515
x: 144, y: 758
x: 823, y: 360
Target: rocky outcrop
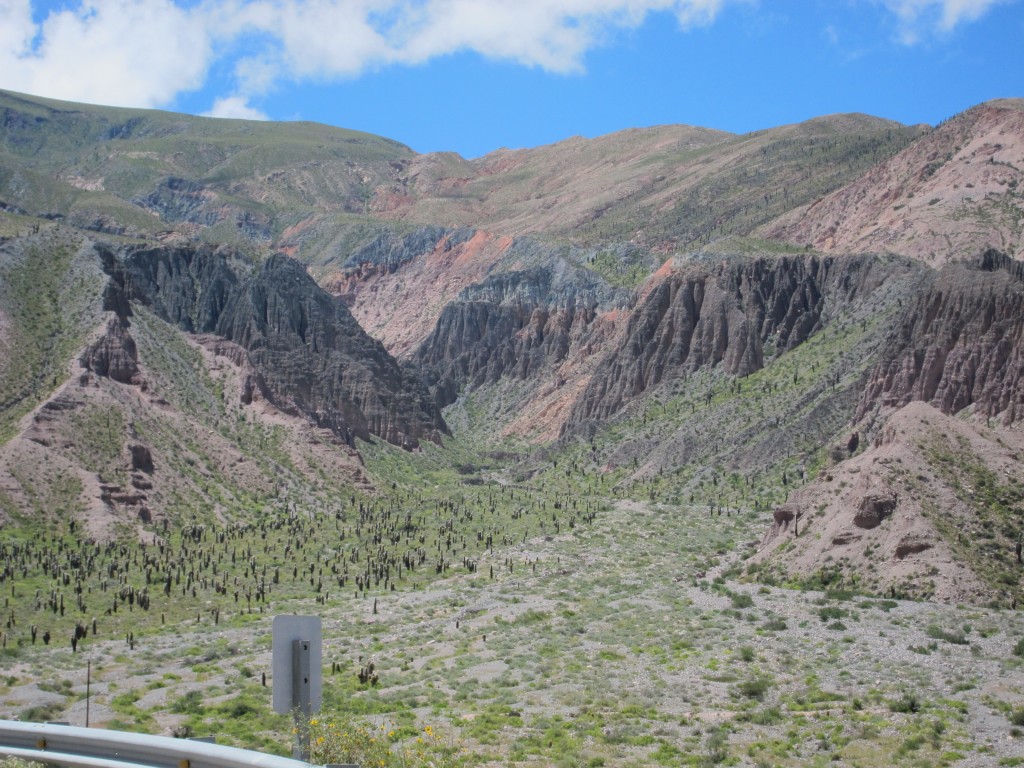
x: 178, y: 201
x: 141, y: 458
x: 114, y: 354
x: 959, y: 343
x: 785, y: 514
x: 518, y: 325
x: 307, y: 354
x: 736, y: 312
x: 907, y: 517
x: 385, y: 254
x: 873, y: 508
x: 311, y: 357
x: 188, y: 286
x: 388, y: 250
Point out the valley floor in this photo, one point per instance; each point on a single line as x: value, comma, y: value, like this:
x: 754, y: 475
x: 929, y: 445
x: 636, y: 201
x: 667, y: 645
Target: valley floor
x: 619, y: 642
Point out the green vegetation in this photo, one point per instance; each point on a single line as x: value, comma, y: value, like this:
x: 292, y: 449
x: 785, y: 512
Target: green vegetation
x: 987, y: 538
x: 48, y: 295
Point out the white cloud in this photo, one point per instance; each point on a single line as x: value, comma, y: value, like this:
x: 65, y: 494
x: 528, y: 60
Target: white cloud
x: 235, y: 107
x: 551, y: 34
x: 330, y: 37
x: 16, y: 27
x: 125, y: 52
x: 146, y: 52
x: 530, y: 32
x: 920, y: 18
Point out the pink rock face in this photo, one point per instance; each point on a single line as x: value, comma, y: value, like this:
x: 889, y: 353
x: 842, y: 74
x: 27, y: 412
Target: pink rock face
x: 952, y: 192
x: 785, y: 514
x: 873, y: 509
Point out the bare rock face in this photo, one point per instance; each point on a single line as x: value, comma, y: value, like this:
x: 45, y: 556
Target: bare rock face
x: 874, y: 508
x: 141, y: 458
x: 732, y: 313
x: 960, y: 343
x: 114, y: 354
x: 518, y: 325
x: 784, y: 514
x: 307, y: 354
x: 311, y: 357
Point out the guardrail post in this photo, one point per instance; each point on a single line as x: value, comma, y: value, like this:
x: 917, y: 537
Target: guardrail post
x: 302, y: 700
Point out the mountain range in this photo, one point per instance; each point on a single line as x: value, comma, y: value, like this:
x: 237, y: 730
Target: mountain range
x: 821, y: 322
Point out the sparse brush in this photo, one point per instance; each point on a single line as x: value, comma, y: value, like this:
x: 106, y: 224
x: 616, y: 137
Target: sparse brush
x: 345, y: 739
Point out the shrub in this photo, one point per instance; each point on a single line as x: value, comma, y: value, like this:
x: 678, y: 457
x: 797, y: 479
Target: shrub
x: 741, y: 600
x: 832, y: 613
x: 41, y: 713
x: 755, y: 688
x: 907, y: 703
x: 716, y: 748
x: 954, y: 636
x: 189, y: 704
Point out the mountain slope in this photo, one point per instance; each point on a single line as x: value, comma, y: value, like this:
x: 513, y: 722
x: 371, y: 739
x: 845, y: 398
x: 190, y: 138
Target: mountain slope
x: 931, y: 510
x: 954, y: 192
x: 308, y: 354
x: 662, y: 187
x: 143, y: 171
x: 147, y: 382
x: 593, y: 315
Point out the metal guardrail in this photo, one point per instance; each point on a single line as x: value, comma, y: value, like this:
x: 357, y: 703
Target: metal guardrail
x: 96, y: 748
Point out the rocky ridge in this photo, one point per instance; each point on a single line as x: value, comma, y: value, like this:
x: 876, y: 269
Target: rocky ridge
x: 518, y: 325
x: 734, y: 312
x: 308, y: 354
x: 906, y: 517
x: 959, y: 344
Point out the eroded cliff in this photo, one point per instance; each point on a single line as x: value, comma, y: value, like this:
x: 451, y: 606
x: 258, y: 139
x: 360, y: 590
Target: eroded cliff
x: 959, y: 343
x: 734, y: 312
x: 519, y: 325
x: 308, y: 355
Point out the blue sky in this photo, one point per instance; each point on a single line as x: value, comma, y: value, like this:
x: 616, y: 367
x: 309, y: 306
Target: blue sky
x: 471, y: 76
